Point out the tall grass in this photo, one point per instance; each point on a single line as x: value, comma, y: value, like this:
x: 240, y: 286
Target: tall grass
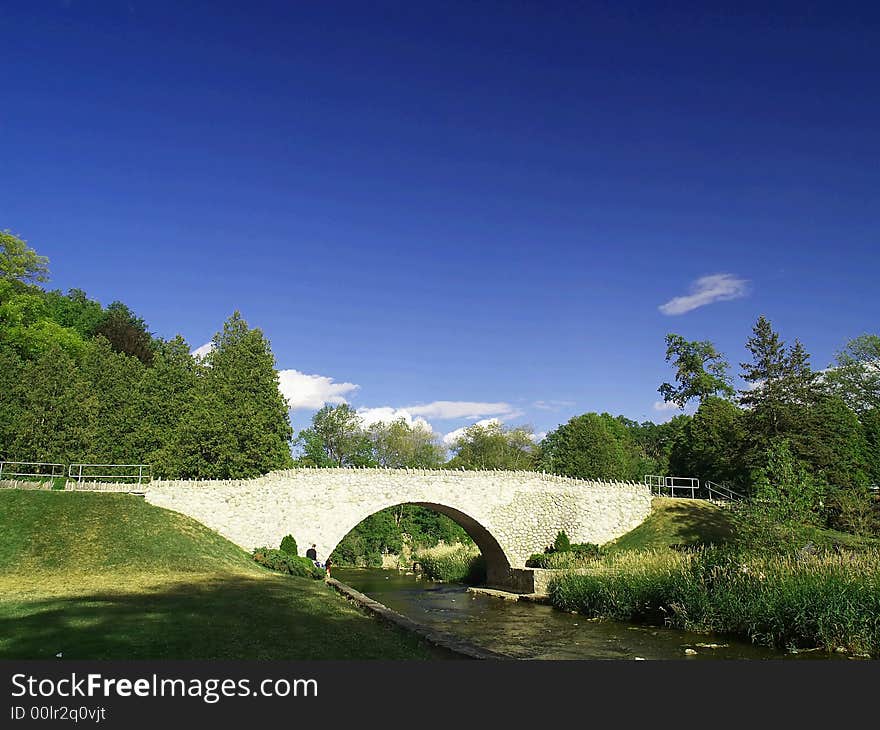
x: 825, y: 599
x: 453, y: 564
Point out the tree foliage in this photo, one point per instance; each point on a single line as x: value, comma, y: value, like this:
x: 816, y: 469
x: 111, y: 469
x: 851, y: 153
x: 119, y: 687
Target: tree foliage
x: 19, y: 262
x: 589, y: 446
x: 701, y: 371
x: 856, y: 376
x: 494, y: 446
x: 708, y: 446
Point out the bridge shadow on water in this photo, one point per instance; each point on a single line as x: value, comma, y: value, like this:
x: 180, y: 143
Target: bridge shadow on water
x: 216, y: 617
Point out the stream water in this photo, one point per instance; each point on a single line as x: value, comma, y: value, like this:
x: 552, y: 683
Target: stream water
x: 534, y: 631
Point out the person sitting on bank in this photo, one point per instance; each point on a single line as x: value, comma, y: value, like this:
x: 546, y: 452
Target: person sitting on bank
x: 312, y: 553
x: 327, y: 566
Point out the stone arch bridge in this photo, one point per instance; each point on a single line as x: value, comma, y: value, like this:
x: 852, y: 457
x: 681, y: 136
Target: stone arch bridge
x: 509, y: 514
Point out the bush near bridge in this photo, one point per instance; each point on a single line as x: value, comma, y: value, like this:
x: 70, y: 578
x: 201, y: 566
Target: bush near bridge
x: 283, y: 562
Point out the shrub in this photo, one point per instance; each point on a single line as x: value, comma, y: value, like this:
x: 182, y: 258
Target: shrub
x: 453, y: 564
x: 288, y: 545
x: 586, y: 550
x: 561, y: 543
x: 283, y: 562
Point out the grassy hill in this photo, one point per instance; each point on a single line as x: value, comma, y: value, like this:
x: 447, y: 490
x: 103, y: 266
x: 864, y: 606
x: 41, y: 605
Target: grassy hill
x: 108, y: 576
x: 678, y: 522
x: 698, y: 522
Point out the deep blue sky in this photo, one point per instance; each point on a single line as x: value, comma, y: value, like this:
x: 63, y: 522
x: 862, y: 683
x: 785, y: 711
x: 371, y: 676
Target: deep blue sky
x: 480, y: 202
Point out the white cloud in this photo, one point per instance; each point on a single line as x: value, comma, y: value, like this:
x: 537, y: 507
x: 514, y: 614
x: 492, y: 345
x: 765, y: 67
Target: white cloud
x: 387, y: 414
x: 660, y: 405
x: 552, y: 405
x: 200, y: 352
x: 312, y: 391
x: 706, y: 290
x: 447, y: 409
x: 453, y: 436
x: 539, y: 437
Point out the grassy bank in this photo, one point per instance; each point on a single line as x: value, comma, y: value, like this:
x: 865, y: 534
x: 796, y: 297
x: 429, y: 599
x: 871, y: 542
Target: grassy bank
x: 453, y: 564
x: 107, y: 576
x: 826, y: 600
x: 684, y: 522
x: 826, y: 597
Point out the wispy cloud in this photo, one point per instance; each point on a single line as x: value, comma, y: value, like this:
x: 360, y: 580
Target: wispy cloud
x: 448, y: 409
x: 312, y: 391
x: 706, y: 290
x: 552, y: 405
x: 660, y: 405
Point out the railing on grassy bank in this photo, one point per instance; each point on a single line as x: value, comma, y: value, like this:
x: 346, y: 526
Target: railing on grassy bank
x: 110, y: 473
x: 827, y: 599
x: 664, y: 486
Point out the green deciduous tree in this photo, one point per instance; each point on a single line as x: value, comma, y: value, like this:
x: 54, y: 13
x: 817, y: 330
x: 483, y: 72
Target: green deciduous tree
x: 492, y: 446
x: 856, y: 375
x: 399, y: 444
x: 589, y: 446
x: 701, y: 371
x: 709, y: 445
x: 335, y: 438
x: 19, y: 262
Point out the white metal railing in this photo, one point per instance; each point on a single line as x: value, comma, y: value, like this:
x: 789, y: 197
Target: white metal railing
x: 655, y: 482
x: 722, y: 491
x: 83, y: 472
x: 38, y: 469
x: 662, y: 485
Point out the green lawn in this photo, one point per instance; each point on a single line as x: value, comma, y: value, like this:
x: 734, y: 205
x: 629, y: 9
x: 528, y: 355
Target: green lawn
x: 108, y: 576
x: 678, y: 522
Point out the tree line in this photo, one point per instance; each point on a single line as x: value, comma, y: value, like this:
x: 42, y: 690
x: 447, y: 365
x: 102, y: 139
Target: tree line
x: 84, y: 383
x: 81, y: 382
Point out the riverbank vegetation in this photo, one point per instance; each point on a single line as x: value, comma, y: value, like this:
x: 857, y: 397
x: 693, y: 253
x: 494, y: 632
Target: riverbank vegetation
x: 797, y: 599
x: 108, y: 576
x: 759, y: 570
x: 452, y: 564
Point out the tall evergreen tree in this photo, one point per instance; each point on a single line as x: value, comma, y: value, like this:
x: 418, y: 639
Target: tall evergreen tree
x: 57, y: 411
x: 114, y: 379
x: 239, y: 424
x: 166, y: 395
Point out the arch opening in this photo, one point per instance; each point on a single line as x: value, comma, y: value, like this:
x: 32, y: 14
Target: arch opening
x: 498, y: 568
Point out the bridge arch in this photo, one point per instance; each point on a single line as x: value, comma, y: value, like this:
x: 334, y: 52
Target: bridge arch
x: 498, y: 564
